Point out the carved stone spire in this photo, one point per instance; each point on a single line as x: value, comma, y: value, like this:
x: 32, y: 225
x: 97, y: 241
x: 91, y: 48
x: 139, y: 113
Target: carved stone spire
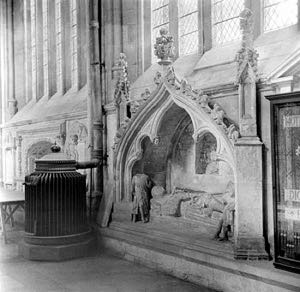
x: 247, y: 56
x: 247, y: 76
x: 164, y: 47
x: 122, y: 87
x: 120, y: 71
x: 248, y: 151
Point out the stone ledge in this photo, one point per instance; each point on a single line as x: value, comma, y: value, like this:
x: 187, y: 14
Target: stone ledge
x: 199, y: 267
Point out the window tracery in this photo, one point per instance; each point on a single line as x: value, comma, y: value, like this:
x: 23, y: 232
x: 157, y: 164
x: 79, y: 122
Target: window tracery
x: 225, y: 21
x: 188, y: 26
x: 159, y: 19
x: 279, y: 14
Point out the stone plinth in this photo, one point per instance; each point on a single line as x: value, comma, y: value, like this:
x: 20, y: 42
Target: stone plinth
x: 192, y: 257
x: 249, y: 239
x: 57, y: 248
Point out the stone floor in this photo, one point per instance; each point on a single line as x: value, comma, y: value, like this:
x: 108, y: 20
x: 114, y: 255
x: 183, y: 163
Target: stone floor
x: 100, y: 272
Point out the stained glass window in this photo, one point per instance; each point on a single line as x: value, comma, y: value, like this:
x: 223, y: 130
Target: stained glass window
x: 188, y: 26
x: 280, y: 13
x: 159, y: 19
x: 225, y: 20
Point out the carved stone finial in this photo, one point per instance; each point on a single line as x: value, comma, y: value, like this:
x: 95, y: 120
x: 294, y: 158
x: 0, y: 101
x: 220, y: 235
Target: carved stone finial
x: 55, y: 148
x: 164, y: 47
x: 246, y: 20
x: 122, y: 84
x: 246, y: 57
x: 247, y: 76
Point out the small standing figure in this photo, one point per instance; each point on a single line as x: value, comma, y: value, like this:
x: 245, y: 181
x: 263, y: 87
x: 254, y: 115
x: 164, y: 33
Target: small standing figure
x: 141, y: 189
x: 226, y: 221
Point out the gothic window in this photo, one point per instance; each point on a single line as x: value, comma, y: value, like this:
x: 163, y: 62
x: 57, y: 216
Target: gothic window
x: 279, y: 14
x: 188, y: 26
x: 181, y: 17
x: 225, y: 21
x: 159, y: 19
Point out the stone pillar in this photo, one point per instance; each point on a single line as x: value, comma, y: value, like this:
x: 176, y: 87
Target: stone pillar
x: 249, y: 241
x: 3, y: 62
x: 117, y: 28
x: 18, y: 175
x: 12, y: 102
x: 1, y: 156
x: 95, y: 103
x: 19, y: 156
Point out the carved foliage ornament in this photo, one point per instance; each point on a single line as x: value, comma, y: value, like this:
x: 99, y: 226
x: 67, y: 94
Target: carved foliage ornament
x: 214, y: 110
x: 157, y: 78
x: 246, y: 57
x: 135, y: 106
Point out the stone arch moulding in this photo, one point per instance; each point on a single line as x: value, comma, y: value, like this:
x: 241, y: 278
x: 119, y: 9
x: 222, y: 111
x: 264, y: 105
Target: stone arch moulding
x: 147, y: 120
x: 32, y: 145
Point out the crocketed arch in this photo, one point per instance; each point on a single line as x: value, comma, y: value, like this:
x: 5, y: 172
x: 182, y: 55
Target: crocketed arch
x: 147, y: 122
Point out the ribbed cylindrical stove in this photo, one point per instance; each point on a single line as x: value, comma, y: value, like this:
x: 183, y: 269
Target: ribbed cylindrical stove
x: 55, y: 210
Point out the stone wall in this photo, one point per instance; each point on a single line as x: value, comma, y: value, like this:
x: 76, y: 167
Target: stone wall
x: 216, y: 174
x: 23, y: 144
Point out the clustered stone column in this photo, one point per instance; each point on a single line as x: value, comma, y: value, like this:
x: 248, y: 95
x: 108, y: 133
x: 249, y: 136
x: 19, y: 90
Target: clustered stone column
x: 19, y: 152
x: 7, y: 60
x: 95, y: 104
x: 249, y: 241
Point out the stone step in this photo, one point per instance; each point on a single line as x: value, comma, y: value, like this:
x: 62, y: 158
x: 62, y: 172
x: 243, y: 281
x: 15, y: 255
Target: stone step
x: 168, y: 240
x: 199, y: 223
x: 193, y: 258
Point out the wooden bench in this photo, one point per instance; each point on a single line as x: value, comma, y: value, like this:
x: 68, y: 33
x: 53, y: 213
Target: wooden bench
x: 10, y: 201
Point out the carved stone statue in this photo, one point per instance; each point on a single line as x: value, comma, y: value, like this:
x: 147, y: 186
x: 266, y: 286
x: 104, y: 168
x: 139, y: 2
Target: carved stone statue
x: 226, y: 220
x: 213, y: 165
x: 141, y: 190
x: 72, y: 151
x: 218, y: 114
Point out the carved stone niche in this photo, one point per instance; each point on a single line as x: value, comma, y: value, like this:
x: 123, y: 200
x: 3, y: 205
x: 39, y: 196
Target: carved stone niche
x: 206, y: 160
x: 36, y: 151
x: 76, y: 141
